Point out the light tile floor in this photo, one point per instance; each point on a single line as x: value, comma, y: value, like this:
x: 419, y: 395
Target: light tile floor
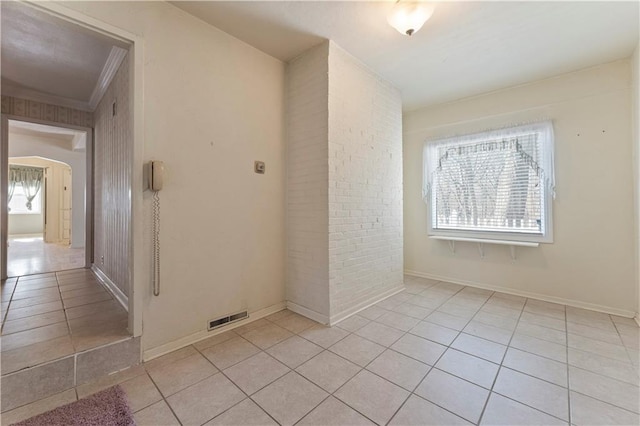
x: 48, y: 316
x: 437, y: 353
x: 27, y: 256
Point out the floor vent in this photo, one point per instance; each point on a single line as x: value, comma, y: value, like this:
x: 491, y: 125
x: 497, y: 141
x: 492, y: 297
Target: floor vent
x: 216, y: 323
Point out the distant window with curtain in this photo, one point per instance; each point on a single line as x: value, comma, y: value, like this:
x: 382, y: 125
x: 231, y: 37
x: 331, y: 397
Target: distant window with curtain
x: 25, y: 195
x: 18, y: 203
x: 492, y: 185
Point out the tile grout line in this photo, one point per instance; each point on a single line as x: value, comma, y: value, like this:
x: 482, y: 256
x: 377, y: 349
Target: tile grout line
x: 411, y: 393
x: 409, y: 332
x: 234, y: 383
x: 6, y: 313
x: 66, y: 318
x: 621, y: 340
x: 495, y: 379
x: 448, y: 347
x: 435, y: 362
x: 486, y: 402
x: 329, y: 394
x: 161, y: 395
x: 526, y: 374
x: 389, y: 348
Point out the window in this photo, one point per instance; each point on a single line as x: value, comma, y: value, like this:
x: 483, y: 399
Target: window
x: 493, y: 185
x: 18, y: 203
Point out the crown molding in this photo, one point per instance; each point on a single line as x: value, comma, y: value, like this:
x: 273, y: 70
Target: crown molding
x: 109, y: 70
x: 116, y: 56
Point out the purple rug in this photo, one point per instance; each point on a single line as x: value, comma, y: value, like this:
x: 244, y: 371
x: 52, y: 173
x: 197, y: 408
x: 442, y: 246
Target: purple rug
x: 105, y: 408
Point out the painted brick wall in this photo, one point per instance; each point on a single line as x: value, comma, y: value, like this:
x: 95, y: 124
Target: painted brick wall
x: 365, y: 185
x: 344, y: 224
x: 307, y: 177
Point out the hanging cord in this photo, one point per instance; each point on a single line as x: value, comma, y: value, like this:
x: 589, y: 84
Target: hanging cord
x: 156, y: 244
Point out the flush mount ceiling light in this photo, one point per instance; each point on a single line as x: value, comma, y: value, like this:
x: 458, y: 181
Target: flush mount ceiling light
x: 408, y: 17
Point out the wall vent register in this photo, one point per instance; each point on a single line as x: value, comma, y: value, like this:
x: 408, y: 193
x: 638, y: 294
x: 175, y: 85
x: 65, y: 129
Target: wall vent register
x: 216, y: 323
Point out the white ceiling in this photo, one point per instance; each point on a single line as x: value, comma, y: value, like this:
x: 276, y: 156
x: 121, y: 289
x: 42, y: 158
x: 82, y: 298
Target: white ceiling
x: 73, y: 140
x: 466, y: 48
x: 51, y: 60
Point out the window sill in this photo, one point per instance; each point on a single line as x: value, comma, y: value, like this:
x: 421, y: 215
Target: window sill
x: 481, y: 242
x: 486, y: 241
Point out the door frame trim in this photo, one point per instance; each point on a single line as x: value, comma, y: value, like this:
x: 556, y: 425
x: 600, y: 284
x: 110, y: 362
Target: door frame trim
x: 139, y: 277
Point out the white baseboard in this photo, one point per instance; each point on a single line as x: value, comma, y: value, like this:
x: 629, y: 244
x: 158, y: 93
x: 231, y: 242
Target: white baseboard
x: 36, y: 235
x: 531, y: 295
x: 113, y: 289
x: 364, y: 305
x: 306, y: 312
x: 334, y: 319
x: 152, y: 353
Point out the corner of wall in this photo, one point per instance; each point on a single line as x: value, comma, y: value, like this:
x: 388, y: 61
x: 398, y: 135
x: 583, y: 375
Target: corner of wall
x: 635, y: 122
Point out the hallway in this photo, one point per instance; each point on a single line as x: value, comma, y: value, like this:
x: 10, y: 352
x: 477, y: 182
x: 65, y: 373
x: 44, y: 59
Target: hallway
x: 31, y: 255
x: 49, y: 316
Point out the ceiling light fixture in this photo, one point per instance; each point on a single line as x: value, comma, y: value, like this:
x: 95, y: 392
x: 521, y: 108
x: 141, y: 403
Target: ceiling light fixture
x: 408, y: 17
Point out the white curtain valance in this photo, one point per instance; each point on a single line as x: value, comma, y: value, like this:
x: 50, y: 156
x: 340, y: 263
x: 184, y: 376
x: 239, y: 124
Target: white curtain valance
x: 435, y: 151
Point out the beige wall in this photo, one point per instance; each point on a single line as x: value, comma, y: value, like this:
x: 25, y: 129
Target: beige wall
x: 212, y: 105
x: 591, y: 262
x: 22, y: 224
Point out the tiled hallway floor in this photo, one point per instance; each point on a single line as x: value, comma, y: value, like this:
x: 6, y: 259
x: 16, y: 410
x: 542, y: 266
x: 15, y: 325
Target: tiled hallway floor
x: 436, y: 353
x: 48, y: 316
x: 27, y: 256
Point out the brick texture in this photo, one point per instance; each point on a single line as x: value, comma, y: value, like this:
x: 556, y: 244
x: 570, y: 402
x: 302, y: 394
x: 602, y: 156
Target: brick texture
x: 344, y: 182
x: 365, y: 184
x: 307, y: 181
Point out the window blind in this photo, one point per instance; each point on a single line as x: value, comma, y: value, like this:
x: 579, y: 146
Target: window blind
x: 493, y: 182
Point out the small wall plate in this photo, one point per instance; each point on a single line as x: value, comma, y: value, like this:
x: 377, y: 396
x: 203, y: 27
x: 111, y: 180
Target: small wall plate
x: 259, y: 167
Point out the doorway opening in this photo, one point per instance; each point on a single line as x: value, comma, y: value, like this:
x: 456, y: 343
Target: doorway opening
x: 66, y: 72
x: 47, y: 209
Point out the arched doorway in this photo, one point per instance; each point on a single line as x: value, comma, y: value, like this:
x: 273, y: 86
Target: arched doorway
x: 42, y: 221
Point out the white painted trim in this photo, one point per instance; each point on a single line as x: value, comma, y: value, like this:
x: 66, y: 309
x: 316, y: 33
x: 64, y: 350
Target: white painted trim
x: 152, y: 353
x: 86, y: 351
x: 364, y: 305
x: 4, y: 184
x: 38, y: 235
x: 111, y: 66
x: 306, y: 312
x: 484, y: 241
x: 531, y: 295
x: 113, y: 289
